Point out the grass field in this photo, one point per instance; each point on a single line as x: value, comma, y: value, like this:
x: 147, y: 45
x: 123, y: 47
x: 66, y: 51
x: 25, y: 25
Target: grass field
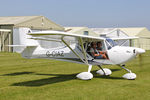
x: 40, y: 79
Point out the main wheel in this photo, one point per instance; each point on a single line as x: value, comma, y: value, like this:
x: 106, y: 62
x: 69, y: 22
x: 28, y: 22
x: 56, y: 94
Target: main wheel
x: 85, y: 76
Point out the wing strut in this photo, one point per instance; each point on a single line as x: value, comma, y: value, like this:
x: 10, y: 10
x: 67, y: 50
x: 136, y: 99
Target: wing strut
x: 62, y: 38
x: 84, y: 52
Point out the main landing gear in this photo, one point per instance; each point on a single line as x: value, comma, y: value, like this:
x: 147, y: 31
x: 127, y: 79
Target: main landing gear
x: 86, y: 75
x: 129, y: 75
x: 104, y: 71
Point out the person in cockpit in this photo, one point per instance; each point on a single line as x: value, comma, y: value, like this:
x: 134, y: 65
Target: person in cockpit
x: 95, y: 53
x: 99, y: 48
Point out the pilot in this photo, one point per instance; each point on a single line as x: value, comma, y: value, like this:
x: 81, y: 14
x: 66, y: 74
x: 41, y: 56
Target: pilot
x: 95, y: 53
x: 99, y: 48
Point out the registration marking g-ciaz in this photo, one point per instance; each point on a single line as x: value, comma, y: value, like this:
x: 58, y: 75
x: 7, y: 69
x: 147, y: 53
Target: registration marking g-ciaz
x: 55, y: 53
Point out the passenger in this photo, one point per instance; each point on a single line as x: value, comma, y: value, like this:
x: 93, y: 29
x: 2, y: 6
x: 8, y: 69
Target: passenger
x: 95, y: 53
x: 99, y: 48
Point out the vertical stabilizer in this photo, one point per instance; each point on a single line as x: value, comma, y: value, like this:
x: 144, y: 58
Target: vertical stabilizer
x: 21, y: 37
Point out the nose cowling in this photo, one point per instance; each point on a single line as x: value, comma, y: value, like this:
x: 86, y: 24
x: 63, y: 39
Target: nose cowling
x: 139, y: 50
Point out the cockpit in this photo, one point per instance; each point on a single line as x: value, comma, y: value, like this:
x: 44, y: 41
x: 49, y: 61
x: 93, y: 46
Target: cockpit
x: 98, y: 49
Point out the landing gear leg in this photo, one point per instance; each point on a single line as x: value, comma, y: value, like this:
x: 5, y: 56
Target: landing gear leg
x: 103, y: 71
x: 129, y: 75
x: 86, y: 75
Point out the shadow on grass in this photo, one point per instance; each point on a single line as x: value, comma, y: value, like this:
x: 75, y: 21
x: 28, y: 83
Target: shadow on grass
x: 17, y: 73
x: 52, y: 80
x: 22, y: 73
x: 113, y: 70
x: 56, y: 79
x: 107, y: 77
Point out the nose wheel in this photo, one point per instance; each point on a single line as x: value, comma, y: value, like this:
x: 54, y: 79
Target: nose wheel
x: 129, y: 75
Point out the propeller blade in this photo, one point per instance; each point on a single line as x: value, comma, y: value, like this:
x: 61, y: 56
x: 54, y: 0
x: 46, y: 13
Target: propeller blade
x: 140, y: 52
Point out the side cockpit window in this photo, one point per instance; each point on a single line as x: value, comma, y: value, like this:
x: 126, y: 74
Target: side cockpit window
x: 110, y: 43
x: 96, y: 50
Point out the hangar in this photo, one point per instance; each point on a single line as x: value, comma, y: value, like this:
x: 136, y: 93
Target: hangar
x: 113, y: 33
x: 18, y: 24
x: 144, y: 36
x: 141, y: 32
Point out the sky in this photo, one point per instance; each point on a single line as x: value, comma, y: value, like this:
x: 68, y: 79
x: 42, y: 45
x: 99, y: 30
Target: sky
x: 83, y: 13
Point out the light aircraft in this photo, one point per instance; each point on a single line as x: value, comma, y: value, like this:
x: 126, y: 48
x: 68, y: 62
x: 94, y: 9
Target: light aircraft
x: 75, y: 49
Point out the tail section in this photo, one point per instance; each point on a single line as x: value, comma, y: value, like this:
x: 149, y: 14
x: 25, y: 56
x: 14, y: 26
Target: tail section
x: 22, y: 40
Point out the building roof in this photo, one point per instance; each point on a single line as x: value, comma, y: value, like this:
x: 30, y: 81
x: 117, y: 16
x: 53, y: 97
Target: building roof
x: 34, y: 22
x: 74, y: 29
x: 103, y: 30
x: 132, y: 31
x: 15, y: 19
x: 80, y: 30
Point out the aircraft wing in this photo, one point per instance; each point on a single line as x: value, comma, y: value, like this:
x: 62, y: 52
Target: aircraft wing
x: 124, y: 38
x: 55, y: 35
x: 48, y: 35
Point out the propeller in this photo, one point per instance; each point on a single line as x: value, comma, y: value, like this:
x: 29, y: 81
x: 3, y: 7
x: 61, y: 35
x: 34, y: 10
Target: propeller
x: 140, y: 52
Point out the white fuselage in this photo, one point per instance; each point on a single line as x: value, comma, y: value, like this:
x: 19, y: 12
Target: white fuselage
x: 120, y: 54
x: 117, y: 54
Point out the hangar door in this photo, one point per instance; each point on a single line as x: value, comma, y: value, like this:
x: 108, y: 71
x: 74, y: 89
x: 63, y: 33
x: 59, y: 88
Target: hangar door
x: 5, y: 40
x: 145, y: 43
